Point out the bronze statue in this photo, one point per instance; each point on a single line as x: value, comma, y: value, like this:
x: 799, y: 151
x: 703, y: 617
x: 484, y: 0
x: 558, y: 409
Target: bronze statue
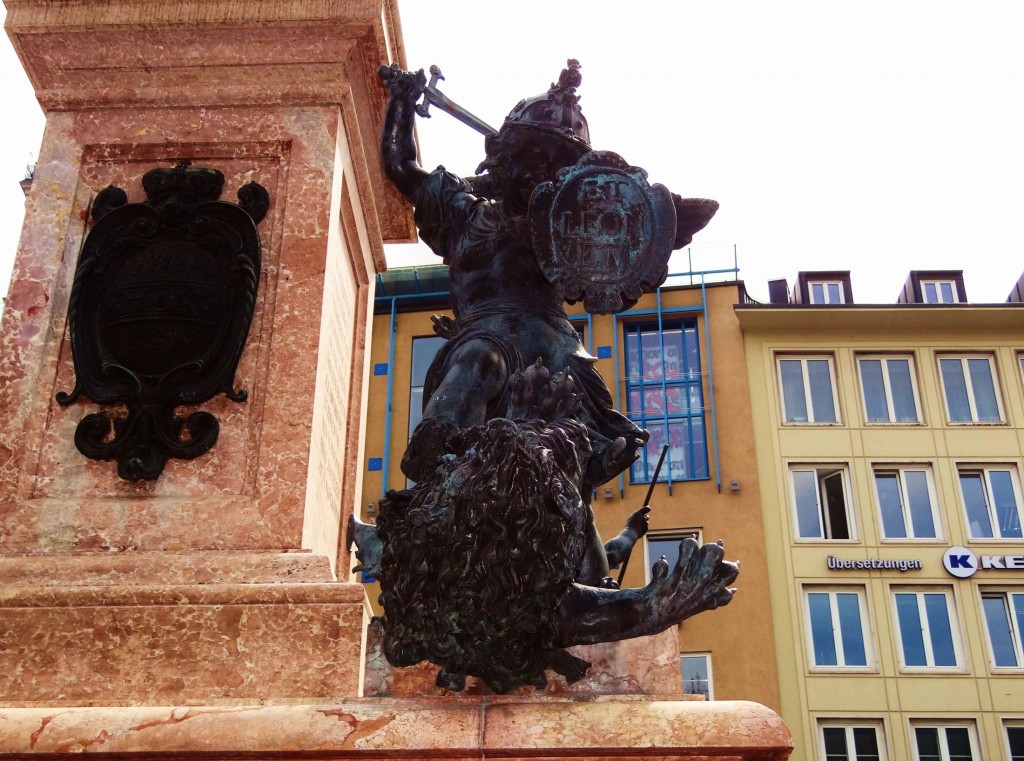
x: 492, y: 564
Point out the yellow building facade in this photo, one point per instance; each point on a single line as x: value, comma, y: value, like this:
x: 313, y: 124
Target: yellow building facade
x: 890, y: 446
x: 674, y: 363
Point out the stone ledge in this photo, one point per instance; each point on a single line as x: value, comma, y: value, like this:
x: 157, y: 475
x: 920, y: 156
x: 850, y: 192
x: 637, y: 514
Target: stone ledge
x: 449, y: 728
x: 162, y: 568
x: 180, y: 644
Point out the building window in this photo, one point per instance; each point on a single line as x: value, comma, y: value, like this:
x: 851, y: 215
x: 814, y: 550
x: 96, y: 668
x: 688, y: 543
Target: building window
x: 423, y: 351
x: 970, y: 389
x: 991, y: 503
x: 944, y: 742
x: 1015, y: 741
x: 906, y: 503
x: 820, y: 501
x: 808, y: 391
x: 850, y: 742
x: 926, y: 632
x: 1004, y: 619
x: 665, y: 544
x: 665, y: 395
x: 696, y: 673
x: 939, y: 292
x: 826, y: 292
x: 835, y: 622
x: 890, y: 394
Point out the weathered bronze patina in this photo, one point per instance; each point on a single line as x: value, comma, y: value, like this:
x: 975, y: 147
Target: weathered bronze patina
x: 160, y: 310
x: 492, y: 564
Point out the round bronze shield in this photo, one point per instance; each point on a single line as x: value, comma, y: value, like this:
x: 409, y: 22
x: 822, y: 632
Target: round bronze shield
x: 601, y: 233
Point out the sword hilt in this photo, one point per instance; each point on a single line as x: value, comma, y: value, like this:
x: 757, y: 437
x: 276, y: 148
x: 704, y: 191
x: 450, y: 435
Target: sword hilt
x: 423, y: 109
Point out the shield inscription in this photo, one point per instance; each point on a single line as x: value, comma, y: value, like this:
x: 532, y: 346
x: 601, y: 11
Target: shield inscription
x: 601, y: 233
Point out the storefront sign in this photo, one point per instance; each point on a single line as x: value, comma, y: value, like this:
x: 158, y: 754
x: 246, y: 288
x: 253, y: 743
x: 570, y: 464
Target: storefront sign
x: 963, y: 563
x: 873, y: 564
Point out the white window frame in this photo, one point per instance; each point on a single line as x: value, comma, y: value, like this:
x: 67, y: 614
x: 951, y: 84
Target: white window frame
x: 901, y: 470
x: 1007, y: 725
x: 837, y: 638
x: 887, y: 385
x: 848, y: 726
x: 1015, y: 629
x: 824, y: 284
x: 803, y: 359
x: 941, y: 725
x: 667, y: 535
x: 969, y: 385
x: 821, y: 472
x: 707, y: 664
x: 929, y: 649
x: 937, y: 286
x: 986, y: 471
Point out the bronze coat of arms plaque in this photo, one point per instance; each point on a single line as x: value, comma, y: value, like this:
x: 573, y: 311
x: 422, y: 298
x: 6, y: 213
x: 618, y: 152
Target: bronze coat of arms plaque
x: 601, y: 233
x: 160, y: 310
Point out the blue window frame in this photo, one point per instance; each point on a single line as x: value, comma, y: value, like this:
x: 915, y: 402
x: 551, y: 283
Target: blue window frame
x: 665, y: 395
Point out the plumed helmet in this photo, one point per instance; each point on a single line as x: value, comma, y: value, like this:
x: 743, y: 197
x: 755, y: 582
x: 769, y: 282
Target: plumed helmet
x: 555, y: 112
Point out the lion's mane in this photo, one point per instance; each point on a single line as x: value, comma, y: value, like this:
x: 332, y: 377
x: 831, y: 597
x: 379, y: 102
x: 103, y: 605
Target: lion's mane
x: 478, y: 557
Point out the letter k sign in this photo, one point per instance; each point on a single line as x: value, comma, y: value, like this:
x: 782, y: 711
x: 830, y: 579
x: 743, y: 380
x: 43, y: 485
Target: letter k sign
x: 960, y: 562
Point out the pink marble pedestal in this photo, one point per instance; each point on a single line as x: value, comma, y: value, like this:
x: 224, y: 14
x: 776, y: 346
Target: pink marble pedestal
x: 226, y: 580
x: 433, y: 728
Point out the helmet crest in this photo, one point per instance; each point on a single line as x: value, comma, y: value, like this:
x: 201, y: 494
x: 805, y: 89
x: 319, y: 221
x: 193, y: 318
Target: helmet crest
x: 557, y: 111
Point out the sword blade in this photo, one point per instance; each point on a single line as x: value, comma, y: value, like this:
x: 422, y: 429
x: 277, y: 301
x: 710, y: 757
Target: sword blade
x: 446, y: 104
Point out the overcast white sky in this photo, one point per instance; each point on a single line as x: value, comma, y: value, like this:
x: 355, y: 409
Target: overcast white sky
x: 874, y: 136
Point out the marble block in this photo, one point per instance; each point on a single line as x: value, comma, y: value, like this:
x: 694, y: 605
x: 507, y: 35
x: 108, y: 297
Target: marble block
x: 641, y: 666
x: 598, y: 728
x: 174, y: 629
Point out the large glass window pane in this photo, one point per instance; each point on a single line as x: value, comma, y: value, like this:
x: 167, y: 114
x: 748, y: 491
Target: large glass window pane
x: 956, y: 390
x: 902, y: 387
x: 808, y: 516
x: 919, y: 501
x: 911, y: 634
x: 848, y: 605
x: 958, y: 740
x: 983, y: 386
x: 823, y: 641
x: 889, y: 502
x: 664, y: 394
x: 1000, y: 631
x: 819, y: 375
x: 1015, y: 740
x: 939, y: 630
x: 874, y: 391
x: 1017, y: 613
x: 972, y: 486
x: 696, y: 675
x: 1004, y: 500
x: 793, y: 397
x: 835, y: 744
x: 423, y: 351
x: 865, y: 741
x: 927, y: 743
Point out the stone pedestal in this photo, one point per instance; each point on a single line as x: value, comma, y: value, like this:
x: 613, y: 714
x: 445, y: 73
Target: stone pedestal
x: 227, y: 578
x: 211, y: 613
x: 452, y: 729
